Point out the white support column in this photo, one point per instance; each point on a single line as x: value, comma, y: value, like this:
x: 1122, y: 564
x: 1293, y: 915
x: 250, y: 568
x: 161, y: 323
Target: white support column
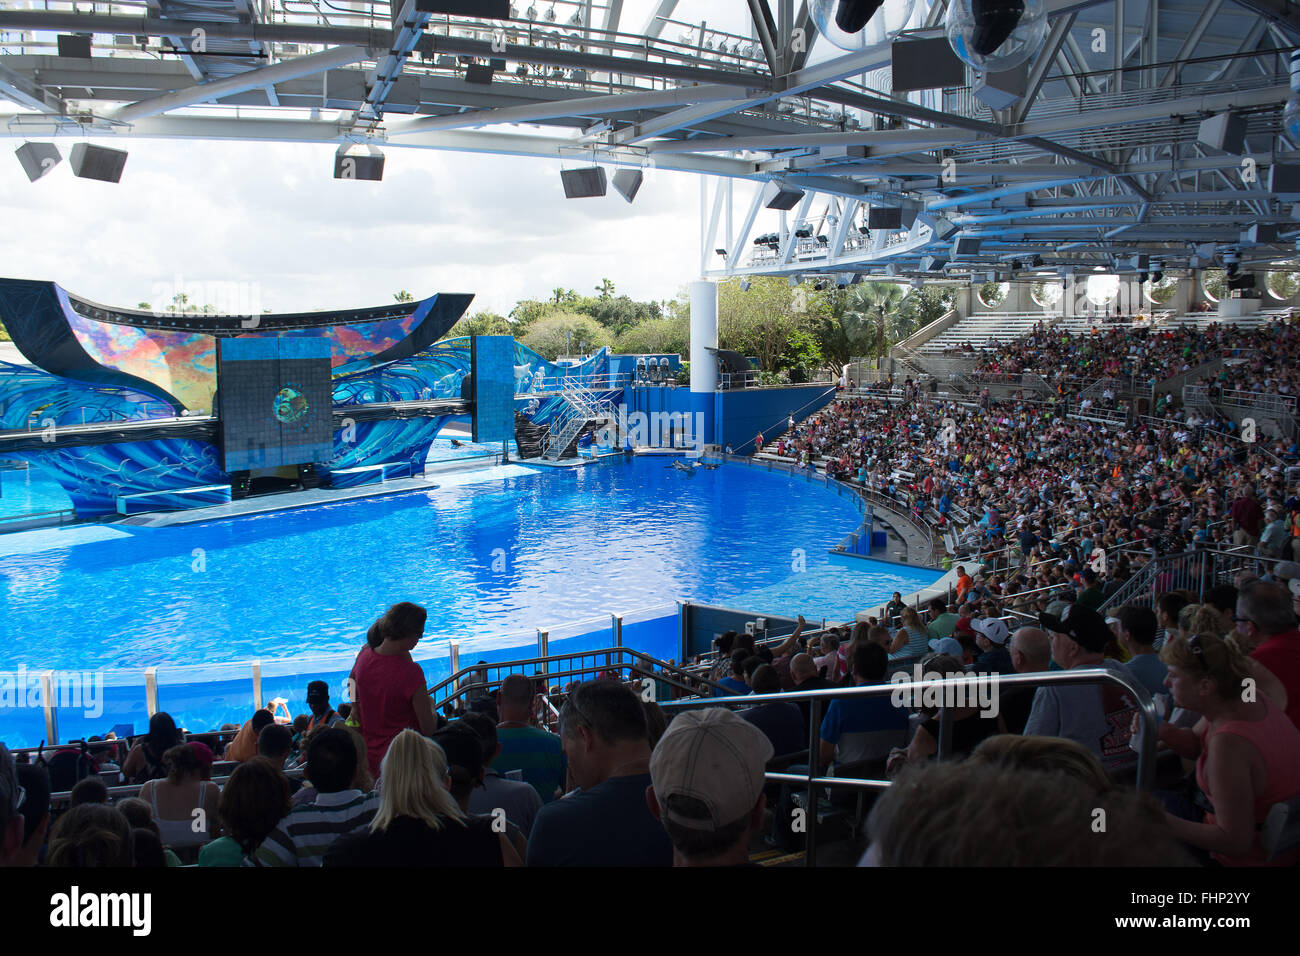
x: 704, y: 336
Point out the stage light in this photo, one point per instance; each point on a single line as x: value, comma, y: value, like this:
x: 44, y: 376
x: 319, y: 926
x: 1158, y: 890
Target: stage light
x: 996, y: 35
x: 852, y: 15
x: 721, y: 252
x: 744, y: 285
x: 855, y: 24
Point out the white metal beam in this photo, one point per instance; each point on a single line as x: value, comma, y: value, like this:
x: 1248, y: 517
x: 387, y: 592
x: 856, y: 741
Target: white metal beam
x: 253, y: 79
x: 603, y: 105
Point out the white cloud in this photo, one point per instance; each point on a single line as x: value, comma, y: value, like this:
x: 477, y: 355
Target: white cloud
x: 273, y: 216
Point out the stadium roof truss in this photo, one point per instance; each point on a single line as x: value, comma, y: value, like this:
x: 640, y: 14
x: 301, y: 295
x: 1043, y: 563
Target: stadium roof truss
x: 1096, y: 163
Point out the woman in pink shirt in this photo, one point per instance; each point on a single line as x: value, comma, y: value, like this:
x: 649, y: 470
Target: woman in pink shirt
x: 1245, y: 749
x: 389, y: 693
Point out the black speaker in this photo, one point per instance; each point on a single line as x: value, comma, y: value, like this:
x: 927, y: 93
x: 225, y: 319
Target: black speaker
x: 925, y: 65
x: 584, y: 183
x: 780, y: 196
x: 478, y: 73
x: 75, y: 45
x: 497, y: 63
x: 370, y: 168
x: 239, y: 484
x: 38, y: 159
x: 480, y: 9
x: 309, y: 476
x: 627, y: 182
x: 97, y: 162
x: 885, y: 217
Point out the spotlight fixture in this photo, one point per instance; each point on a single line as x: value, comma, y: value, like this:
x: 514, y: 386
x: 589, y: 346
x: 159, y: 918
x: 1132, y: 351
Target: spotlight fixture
x: 1036, y: 262
x: 550, y: 14
x: 744, y: 285
x: 852, y: 15
x: 721, y: 252
x: 996, y: 35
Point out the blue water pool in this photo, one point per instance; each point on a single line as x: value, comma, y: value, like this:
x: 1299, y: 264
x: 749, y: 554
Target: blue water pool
x: 493, y: 555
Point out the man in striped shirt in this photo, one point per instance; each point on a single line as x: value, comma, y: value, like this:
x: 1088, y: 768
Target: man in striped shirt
x: 304, y: 836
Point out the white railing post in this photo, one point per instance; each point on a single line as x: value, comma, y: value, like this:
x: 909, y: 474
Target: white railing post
x: 47, y: 703
x: 257, y: 685
x: 151, y: 690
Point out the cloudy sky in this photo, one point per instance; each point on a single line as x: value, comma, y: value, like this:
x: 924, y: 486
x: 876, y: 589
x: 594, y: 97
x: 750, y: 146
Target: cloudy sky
x: 271, y: 219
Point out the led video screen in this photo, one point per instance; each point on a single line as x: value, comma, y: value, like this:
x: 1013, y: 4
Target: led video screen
x: 276, y: 402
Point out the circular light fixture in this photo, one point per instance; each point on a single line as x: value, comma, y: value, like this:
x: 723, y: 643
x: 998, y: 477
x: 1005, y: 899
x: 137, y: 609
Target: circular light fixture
x: 854, y: 24
x: 996, y: 35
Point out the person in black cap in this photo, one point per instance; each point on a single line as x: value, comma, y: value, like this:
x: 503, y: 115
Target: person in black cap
x: 1099, y: 715
x: 318, y: 699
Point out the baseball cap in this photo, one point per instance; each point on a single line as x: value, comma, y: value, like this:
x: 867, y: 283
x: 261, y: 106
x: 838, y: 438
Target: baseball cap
x: 995, y: 629
x: 964, y: 624
x: 318, y: 690
x: 1084, y: 625
x: 947, y: 645
x: 715, y: 757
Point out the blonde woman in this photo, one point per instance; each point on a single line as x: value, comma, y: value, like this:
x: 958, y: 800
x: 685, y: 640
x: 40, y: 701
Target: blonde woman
x: 419, y: 822
x: 912, y: 639
x: 1245, y: 749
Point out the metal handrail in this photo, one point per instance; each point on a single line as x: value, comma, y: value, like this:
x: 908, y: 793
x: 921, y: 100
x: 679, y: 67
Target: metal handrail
x: 671, y: 674
x: 811, y: 780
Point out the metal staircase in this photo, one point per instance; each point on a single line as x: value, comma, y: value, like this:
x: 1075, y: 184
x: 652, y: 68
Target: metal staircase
x: 582, y: 408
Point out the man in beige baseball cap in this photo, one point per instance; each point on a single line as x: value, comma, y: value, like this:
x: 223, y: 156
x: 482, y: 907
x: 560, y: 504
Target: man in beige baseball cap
x: 707, y: 786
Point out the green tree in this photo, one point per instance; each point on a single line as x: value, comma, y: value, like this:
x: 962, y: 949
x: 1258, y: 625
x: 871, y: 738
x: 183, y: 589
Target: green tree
x: 403, y: 296
x: 481, y: 323
x: 179, y: 303
x: 143, y: 306
x: 1215, y: 283
x: 606, y: 288
x: 1164, y: 290
x: 655, y: 336
x: 760, y: 322
x: 1284, y: 285
x: 879, y: 303
x: 551, y: 336
x: 992, y: 294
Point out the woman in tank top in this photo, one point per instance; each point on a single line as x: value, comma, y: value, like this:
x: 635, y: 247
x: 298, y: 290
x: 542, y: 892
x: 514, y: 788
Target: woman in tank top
x: 185, y: 803
x: 1245, y: 750
x: 912, y: 639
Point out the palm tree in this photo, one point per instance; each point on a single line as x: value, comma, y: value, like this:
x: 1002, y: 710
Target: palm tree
x: 606, y: 288
x: 558, y: 293
x: 877, y: 303
x: 403, y: 296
